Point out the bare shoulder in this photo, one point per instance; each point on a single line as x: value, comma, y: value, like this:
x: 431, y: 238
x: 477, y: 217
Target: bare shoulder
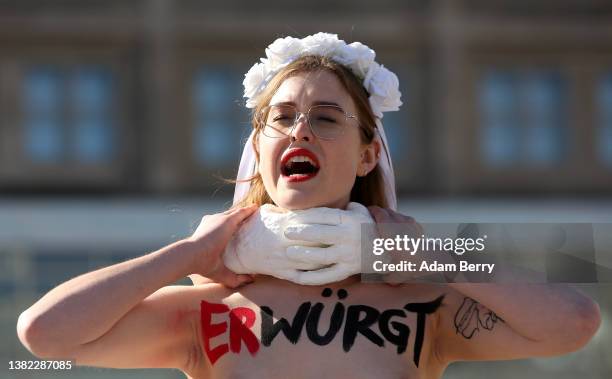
x: 183, y: 315
x: 183, y: 303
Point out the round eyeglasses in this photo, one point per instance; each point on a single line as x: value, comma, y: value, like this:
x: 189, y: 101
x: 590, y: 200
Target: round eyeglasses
x: 326, y: 122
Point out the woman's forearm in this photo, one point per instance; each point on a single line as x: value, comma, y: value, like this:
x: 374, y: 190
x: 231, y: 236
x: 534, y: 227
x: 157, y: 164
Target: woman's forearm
x: 539, y: 312
x: 84, y: 308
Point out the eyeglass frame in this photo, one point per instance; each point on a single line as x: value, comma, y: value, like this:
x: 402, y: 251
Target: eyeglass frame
x: 298, y: 116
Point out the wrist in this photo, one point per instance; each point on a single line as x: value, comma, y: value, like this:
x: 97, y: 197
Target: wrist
x: 197, y: 259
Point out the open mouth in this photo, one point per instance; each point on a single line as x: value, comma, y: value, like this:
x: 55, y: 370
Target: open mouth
x: 299, y: 164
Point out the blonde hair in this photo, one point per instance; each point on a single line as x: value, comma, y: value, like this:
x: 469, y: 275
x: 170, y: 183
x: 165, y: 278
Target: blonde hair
x: 367, y: 190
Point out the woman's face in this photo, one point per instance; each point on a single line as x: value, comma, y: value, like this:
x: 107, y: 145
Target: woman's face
x: 339, y: 160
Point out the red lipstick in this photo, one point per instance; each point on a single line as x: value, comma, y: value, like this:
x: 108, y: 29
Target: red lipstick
x: 302, y: 171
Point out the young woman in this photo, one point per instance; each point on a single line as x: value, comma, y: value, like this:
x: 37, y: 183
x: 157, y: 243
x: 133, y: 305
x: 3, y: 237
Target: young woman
x: 129, y: 316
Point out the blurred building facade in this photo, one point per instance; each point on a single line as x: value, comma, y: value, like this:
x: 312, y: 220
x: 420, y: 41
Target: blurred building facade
x: 146, y: 97
x: 502, y: 99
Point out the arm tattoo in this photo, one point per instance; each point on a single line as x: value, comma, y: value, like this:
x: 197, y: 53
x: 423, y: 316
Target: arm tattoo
x: 471, y: 316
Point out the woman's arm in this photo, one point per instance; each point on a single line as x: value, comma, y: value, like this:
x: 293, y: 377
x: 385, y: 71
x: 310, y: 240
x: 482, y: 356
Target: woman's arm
x: 81, y: 312
x: 486, y: 321
x: 82, y: 309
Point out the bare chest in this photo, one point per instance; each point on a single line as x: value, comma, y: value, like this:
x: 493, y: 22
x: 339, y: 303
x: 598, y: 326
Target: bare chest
x: 303, y: 336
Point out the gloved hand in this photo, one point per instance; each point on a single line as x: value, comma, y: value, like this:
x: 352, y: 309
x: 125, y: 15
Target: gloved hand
x: 342, y: 255
x: 260, y: 246
x: 312, y: 246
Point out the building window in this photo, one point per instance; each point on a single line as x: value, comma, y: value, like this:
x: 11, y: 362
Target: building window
x: 43, y: 124
x: 221, y: 119
x: 604, y: 130
x: 68, y: 114
x: 92, y: 95
x: 523, y: 120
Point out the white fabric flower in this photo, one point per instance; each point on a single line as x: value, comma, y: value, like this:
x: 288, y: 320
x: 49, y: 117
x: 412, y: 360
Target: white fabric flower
x: 283, y: 50
x: 383, y: 87
x: 254, y: 81
x: 357, y: 56
x: 381, y: 84
x: 323, y: 44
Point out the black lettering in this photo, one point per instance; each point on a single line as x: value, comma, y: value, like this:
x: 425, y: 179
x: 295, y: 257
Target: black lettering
x: 334, y: 325
x: 422, y: 310
x: 403, y: 331
x: 359, y: 320
x: 269, y: 328
x: 354, y: 324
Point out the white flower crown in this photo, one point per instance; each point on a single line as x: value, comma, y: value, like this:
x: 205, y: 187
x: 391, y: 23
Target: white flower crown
x: 381, y: 84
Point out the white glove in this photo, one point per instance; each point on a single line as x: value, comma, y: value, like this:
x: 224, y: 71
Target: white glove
x: 312, y: 246
x: 343, y: 255
x: 260, y: 246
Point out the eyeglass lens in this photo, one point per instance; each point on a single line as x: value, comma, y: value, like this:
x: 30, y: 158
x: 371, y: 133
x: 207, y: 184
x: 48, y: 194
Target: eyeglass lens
x: 326, y: 121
